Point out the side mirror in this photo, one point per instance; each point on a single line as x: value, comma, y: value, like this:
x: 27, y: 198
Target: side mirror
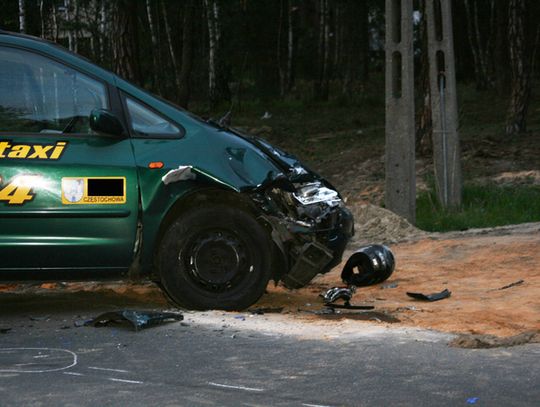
x: 103, y: 121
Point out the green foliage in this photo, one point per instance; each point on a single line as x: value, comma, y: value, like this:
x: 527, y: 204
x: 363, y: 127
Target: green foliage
x: 483, y: 206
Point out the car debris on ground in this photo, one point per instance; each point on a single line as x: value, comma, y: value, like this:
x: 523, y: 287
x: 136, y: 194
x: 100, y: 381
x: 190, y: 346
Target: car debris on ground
x: 138, y: 319
x: 430, y: 297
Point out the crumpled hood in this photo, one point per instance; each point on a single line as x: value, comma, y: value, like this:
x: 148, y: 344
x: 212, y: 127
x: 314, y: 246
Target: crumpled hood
x: 292, y: 167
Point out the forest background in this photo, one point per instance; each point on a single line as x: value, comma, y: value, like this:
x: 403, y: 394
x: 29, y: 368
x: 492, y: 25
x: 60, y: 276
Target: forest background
x: 309, y: 75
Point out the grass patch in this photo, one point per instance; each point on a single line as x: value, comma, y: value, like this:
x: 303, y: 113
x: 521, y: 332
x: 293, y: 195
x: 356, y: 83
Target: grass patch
x: 483, y: 206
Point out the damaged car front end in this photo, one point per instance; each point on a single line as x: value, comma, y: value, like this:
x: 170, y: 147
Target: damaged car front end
x: 309, y: 222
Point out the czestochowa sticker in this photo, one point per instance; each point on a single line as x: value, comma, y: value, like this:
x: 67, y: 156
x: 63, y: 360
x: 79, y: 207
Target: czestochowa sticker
x: 94, y: 190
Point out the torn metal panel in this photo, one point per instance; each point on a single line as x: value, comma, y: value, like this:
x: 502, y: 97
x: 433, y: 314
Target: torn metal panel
x: 182, y: 173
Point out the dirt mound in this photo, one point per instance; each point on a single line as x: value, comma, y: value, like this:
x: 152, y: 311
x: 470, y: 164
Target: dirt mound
x: 492, y: 341
x: 374, y: 224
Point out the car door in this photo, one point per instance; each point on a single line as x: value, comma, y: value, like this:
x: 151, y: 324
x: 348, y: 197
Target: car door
x: 68, y: 197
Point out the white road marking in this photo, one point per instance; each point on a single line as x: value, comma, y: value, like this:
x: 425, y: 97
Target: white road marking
x: 108, y: 370
x: 227, y: 386
x: 124, y: 381
x: 73, y: 373
x: 14, y: 350
x: 314, y: 405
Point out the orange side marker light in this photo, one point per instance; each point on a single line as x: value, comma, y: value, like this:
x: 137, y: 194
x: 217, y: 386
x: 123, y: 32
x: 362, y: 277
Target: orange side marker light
x: 155, y: 165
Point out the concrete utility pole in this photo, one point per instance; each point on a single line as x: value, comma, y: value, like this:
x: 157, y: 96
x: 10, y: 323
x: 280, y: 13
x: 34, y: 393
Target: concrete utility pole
x: 446, y: 150
x: 400, y: 129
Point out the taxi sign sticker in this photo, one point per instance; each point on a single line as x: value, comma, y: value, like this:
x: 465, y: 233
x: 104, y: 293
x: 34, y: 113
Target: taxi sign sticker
x: 94, y: 190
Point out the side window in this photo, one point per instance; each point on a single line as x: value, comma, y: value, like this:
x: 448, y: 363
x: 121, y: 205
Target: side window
x: 39, y: 95
x: 146, y: 123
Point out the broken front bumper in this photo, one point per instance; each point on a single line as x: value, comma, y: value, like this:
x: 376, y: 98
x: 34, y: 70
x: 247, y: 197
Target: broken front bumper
x: 310, y: 227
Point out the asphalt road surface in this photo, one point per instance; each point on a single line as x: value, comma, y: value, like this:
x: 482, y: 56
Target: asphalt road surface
x: 46, y: 360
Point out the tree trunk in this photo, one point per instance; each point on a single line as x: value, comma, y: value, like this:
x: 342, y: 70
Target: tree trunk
x: 69, y: 28
x: 279, y: 52
x: 218, y: 88
x: 424, y: 129
x: 172, y: 51
x: 102, y: 25
x: 355, y: 58
x: 212, y: 50
x: 187, y: 54
x: 477, y: 46
x: 520, y: 69
x: 54, y: 22
x: 75, y: 22
x: 156, y: 76
x: 501, y: 61
x: 22, y: 16
x: 323, y: 83
x: 125, y: 41
x: 290, y: 46
x: 42, y: 17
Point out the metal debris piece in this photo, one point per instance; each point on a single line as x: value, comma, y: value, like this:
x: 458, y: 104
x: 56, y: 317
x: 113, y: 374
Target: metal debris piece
x: 182, y: 173
x: 138, y: 319
x: 345, y: 306
x: 338, y: 293
x: 431, y: 297
x: 342, y: 293
x: 519, y: 282
x: 267, y: 310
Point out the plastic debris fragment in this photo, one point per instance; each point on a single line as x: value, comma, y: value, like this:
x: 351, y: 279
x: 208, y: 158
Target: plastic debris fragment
x: 431, y: 297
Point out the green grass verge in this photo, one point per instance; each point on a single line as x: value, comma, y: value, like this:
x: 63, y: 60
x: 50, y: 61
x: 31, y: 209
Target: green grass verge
x: 483, y: 206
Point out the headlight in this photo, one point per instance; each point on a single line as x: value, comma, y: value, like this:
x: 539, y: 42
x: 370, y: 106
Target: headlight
x: 309, y: 194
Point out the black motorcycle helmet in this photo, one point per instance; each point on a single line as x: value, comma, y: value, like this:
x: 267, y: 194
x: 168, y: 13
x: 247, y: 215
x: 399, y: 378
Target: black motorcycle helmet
x: 373, y: 265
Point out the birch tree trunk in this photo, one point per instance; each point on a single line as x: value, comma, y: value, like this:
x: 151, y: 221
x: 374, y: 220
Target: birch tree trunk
x: 218, y: 87
x: 54, y: 16
x: 22, y: 16
x: 520, y: 66
x: 42, y: 17
x: 170, y: 44
x: 75, y: 22
x: 67, y: 17
x: 102, y: 28
x: 212, y: 50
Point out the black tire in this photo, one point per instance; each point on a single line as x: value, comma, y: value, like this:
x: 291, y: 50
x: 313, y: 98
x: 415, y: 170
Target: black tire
x: 215, y: 257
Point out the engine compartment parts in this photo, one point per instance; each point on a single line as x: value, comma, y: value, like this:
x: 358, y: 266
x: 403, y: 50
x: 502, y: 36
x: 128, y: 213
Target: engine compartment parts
x: 373, y: 265
x: 138, y: 319
x: 430, y: 297
x: 310, y: 226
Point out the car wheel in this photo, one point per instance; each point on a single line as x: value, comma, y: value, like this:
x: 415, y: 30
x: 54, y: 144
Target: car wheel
x: 215, y: 257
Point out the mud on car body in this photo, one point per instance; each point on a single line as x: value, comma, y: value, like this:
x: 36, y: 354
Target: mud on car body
x: 99, y: 179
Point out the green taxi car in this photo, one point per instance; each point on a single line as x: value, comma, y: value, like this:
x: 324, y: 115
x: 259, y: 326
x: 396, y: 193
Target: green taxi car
x: 102, y: 180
